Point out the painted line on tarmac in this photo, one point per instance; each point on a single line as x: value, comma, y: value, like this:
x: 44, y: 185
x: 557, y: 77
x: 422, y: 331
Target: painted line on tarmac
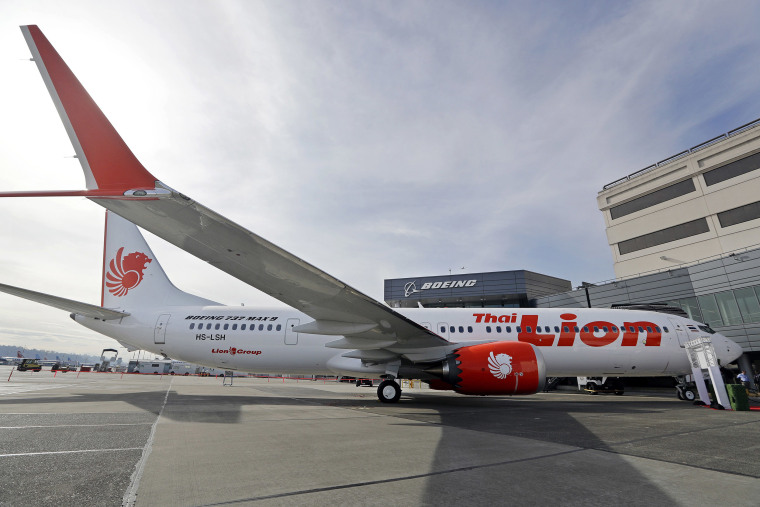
x: 72, y: 426
x: 395, y: 479
x: 67, y: 452
x: 130, y: 496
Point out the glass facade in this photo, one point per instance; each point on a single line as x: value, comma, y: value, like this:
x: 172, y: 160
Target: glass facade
x: 726, y: 308
x: 649, y: 200
x: 663, y: 236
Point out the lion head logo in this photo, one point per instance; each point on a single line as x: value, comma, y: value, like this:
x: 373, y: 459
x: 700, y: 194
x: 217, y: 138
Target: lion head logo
x: 126, y: 273
x: 500, y: 365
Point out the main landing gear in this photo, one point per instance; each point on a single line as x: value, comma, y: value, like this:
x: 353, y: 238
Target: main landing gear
x: 389, y: 391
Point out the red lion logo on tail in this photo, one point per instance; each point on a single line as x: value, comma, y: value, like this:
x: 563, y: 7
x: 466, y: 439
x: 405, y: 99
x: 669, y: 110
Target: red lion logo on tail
x: 126, y: 273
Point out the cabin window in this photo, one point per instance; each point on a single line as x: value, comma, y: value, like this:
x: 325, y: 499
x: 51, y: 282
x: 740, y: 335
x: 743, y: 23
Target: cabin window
x: 279, y: 327
x: 585, y: 329
x: 443, y: 329
x: 488, y: 329
x: 604, y: 328
x: 469, y: 329
x: 576, y: 329
x: 208, y: 326
x: 641, y: 329
x: 452, y: 329
x: 519, y: 329
x: 657, y: 328
x: 226, y: 326
x: 461, y: 329
x: 565, y: 329
x: 242, y: 327
x: 498, y: 329
x: 234, y: 327
x: 217, y: 326
x: 508, y: 329
x: 192, y: 325
x: 269, y: 327
x: 556, y: 329
x: 614, y: 329
x: 649, y: 329
x: 631, y: 329
x: 596, y: 329
x: 528, y: 329
x: 261, y: 327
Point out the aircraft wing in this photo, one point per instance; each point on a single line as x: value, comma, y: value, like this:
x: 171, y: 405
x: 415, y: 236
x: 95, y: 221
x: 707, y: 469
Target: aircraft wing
x: 116, y: 180
x: 85, y: 309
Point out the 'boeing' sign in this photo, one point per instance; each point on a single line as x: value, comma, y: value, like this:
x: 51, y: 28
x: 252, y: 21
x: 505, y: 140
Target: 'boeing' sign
x: 411, y: 287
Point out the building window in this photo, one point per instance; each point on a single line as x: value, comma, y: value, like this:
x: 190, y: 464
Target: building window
x: 651, y: 199
x: 729, y: 310
x: 739, y: 215
x: 732, y: 170
x: 710, y: 310
x: 686, y: 230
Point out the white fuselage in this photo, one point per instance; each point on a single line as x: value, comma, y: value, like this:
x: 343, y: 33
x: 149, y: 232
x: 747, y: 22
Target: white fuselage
x: 573, y: 342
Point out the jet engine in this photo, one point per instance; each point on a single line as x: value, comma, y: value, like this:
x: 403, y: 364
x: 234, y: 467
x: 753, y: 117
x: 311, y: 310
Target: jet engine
x: 492, y: 368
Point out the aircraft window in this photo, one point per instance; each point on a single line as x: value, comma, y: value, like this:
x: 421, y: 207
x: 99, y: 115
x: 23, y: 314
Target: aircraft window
x: 614, y: 329
x: 488, y: 329
x: 208, y: 326
x: 585, y: 329
x: 226, y: 326
x: 234, y: 327
x: 528, y: 329
x: 596, y: 329
x: 657, y: 328
x: 565, y: 329
x: 518, y: 329
x: 279, y: 327
x: 469, y: 329
x: 269, y: 327
x: 461, y: 329
x: 604, y: 328
x: 631, y: 329
x: 498, y: 329
x: 192, y: 325
x: 649, y: 329
x: 576, y: 329
x: 217, y: 326
x: 261, y: 327
x: 443, y: 329
x: 707, y: 329
x: 508, y: 329
x: 666, y: 329
x: 452, y: 329
x: 641, y: 329
x: 556, y: 329
x: 242, y: 327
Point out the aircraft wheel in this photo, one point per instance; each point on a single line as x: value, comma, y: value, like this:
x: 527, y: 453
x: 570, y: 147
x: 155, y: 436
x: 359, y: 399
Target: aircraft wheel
x: 389, y: 391
x: 689, y: 395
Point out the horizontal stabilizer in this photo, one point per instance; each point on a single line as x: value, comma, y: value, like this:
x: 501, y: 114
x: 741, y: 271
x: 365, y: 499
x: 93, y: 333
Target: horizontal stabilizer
x: 84, y: 309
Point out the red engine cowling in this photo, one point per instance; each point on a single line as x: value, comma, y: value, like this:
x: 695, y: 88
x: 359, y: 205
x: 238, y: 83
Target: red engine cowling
x: 493, y: 368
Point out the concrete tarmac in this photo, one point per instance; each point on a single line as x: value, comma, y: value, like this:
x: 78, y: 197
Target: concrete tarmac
x: 112, y: 439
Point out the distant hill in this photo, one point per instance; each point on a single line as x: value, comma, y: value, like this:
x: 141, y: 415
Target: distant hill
x: 10, y: 351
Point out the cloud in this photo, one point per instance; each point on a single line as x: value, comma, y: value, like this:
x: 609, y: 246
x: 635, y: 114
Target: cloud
x: 374, y: 140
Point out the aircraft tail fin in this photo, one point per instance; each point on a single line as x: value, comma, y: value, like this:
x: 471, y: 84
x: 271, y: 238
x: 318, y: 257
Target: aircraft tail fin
x: 132, y: 276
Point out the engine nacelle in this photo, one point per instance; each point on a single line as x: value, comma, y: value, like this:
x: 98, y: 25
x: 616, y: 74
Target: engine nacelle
x: 493, y: 368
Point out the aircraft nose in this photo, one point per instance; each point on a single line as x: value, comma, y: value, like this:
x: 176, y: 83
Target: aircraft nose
x: 727, y: 350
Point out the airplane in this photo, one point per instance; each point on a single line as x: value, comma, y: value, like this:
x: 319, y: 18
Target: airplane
x: 327, y: 327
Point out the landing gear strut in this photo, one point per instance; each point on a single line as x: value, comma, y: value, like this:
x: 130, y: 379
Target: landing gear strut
x: 388, y: 391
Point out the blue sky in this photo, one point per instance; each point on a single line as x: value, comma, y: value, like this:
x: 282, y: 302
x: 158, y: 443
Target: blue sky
x: 373, y: 139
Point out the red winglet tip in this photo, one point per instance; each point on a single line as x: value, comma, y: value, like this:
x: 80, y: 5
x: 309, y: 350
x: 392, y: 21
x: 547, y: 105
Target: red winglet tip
x: 102, y: 152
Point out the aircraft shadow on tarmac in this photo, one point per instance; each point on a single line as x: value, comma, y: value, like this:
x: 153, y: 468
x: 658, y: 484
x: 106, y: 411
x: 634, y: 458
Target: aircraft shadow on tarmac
x: 527, y: 440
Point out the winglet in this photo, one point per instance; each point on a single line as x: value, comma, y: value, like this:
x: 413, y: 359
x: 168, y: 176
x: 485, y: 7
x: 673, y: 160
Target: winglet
x: 107, y: 161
